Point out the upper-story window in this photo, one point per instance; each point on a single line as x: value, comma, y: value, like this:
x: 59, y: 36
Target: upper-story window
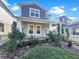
x: 34, y: 13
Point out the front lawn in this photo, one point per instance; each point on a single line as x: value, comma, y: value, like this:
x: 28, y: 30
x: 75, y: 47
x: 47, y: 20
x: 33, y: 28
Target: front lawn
x: 44, y: 52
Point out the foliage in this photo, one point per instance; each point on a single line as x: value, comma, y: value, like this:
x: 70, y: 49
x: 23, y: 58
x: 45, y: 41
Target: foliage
x: 55, y: 37
x: 59, y: 36
x: 52, y: 37
x: 62, y: 29
x: 20, y: 37
x: 15, y: 37
x: 12, y: 36
x: 33, y: 40
x: 67, y: 31
x: 10, y: 46
x: 58, y: 28
x: 44, y: 52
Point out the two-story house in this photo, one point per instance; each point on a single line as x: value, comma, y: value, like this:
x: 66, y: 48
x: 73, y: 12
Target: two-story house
x: 34, y: 19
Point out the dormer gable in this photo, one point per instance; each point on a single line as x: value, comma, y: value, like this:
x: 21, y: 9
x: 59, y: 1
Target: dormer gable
x: 32, y: 9
x: 32, y: 3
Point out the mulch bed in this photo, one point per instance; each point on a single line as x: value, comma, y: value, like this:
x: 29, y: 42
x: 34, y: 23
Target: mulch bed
x: 14, y: 55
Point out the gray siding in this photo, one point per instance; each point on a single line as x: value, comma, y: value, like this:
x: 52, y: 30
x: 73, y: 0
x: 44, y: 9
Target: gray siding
x: 25, y: 11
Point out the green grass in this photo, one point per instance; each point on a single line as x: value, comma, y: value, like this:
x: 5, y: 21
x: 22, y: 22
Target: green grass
x: 45, y: 52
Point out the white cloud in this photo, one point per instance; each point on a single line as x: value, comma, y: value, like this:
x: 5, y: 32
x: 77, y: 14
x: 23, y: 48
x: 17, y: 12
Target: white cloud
x: 62, y: 7
x: 74, y: 19
x: 57, y: 10
x: 15, y: 8
x: 5, y: 2
x: 74, y: 9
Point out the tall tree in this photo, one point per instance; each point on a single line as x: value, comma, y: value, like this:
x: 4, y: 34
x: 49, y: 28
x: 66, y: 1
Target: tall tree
x: 58, y: 28
x: 62, y: 28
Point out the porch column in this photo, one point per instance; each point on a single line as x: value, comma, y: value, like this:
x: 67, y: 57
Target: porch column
x: 19, y: 25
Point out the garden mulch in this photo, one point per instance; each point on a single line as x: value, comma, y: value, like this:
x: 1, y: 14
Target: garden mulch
x: 14, y: 55
x: 22, y: 50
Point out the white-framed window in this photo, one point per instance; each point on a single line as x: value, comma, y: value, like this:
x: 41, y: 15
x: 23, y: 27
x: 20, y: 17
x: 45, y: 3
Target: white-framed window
x: 34, y: 13
x: 1, y: 27
x: 30, y: 29
x: 38, y: 29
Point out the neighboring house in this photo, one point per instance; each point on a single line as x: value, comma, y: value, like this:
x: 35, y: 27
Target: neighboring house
x: 34, y: 19
x: 63, y: 20
x: 74, y: 28
x: 6, y: 19
x: 68, y: 23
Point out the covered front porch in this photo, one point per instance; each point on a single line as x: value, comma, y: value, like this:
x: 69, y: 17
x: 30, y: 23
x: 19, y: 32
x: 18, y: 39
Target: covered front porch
x: 35, y: 29
x: 33, y: 26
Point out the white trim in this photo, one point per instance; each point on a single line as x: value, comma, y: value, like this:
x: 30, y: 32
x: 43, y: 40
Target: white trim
x: 40, y: 29
x: 28, y: 29
x: 20, y: 7
x: 34, y: 15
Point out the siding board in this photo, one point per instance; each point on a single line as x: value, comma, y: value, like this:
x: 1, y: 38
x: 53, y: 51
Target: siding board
x: 25, y: 11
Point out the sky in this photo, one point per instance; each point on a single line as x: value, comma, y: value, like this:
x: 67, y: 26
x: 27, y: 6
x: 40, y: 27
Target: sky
x: 56, y: 8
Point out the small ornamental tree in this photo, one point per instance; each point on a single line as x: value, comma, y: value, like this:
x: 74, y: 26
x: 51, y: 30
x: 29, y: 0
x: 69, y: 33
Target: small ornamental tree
x: 67, y: 31
x: 58, y: 28
x: 15, y: 36
x: 12, y: 36
x: 58, y: 42
x: 62, y: 29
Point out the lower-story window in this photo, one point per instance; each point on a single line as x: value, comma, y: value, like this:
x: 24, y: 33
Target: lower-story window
x: 38, y: 31
x: 34, y: 29
x: 30, y: 29
x: 1, y: 27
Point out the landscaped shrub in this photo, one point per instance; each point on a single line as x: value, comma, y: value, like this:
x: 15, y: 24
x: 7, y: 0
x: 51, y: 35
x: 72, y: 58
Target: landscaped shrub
x: 33, y: 40
x: 51, y: 37
x: 67, y: 31
x: 44, y: 52
x: 20, y: 38
x: 11, y: 46
x: 15, y: 38
x: 54, y: 38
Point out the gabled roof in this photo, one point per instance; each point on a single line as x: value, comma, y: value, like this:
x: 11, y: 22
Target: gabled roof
x: 64, y: 17
x: 30, y: 3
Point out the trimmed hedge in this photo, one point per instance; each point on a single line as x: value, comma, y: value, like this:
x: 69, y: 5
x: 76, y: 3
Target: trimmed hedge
x: 44, y: 52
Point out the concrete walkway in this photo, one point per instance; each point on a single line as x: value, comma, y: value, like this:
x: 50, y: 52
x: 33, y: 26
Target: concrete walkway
x: 3, y: 39
x: 74, y: 48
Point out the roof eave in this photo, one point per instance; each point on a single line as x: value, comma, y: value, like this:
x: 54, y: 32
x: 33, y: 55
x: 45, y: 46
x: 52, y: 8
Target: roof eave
x: 27, y: 19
